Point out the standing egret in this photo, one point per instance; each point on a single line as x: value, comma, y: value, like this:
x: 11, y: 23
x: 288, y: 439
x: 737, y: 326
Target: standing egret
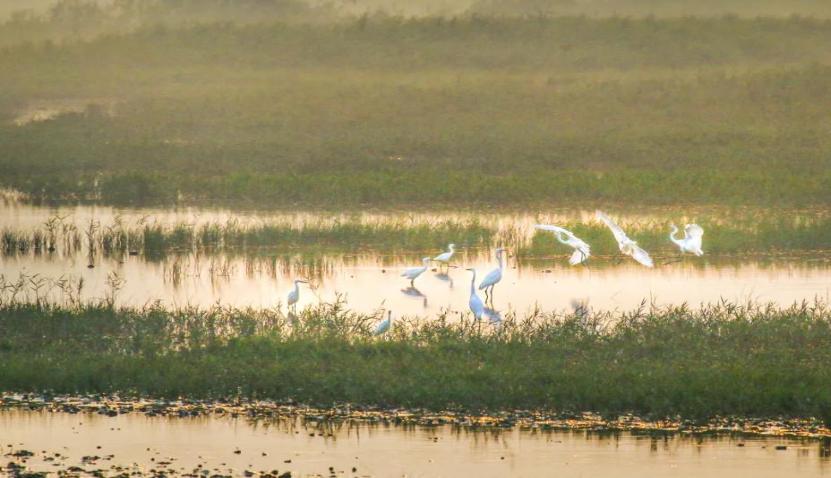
x: 691, y: 241
x: 582, y: 251
x: 413, y: 272
x: 626, y: 245
x: 493, y: 277
x: 385, y: 325
x: 475, y: 303
x: 444, y: 257
x: 294, y: 295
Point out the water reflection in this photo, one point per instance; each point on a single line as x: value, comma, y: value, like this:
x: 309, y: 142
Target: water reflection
x: 416, y: 294
x: 311, y: 446
x: 261, y: 276
x: 444, y: 277
x: 366, y: 279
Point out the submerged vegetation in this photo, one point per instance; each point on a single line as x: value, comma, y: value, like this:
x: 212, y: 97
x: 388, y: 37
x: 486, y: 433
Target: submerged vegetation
x: 430, y: 111
x: 720, y: 359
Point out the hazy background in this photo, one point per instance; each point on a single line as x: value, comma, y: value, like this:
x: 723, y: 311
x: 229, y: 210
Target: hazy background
x: 276, y: 102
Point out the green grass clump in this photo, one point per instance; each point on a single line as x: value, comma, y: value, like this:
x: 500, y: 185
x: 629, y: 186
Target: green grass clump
x: 720, y: 359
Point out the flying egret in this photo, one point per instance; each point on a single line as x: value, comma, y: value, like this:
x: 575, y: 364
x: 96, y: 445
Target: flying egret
x: 582, y: 251
x: 294, y: 295
x: 475, y: 303
x: 691, y: 241
x: 493, y: 277
x: 626, y: 245
x: 413, y: 272
x: 385, y: 325
x: 444, y: 257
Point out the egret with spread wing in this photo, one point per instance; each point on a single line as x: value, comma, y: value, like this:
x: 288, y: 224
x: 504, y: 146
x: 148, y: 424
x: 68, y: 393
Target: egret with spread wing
x: 626, y: 245
x: 493, y: 277
x: 413, y: 272
x: 691, y: 242
x: 582, y: 251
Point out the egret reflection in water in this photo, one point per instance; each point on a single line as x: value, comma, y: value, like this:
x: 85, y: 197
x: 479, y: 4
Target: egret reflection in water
x: 444, y: 276
x: 416, y: 294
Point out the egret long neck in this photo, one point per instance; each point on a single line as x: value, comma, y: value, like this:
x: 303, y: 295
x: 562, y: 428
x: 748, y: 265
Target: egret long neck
x: 472, y: 282
x: 499, y: 259
x: 673, y: 238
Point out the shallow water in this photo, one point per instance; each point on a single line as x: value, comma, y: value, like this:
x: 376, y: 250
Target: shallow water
x: 368, y: 280
x: 393, y: 450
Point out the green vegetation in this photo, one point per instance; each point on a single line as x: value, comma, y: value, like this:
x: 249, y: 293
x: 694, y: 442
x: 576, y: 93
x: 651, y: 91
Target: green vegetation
x: 737, y: 232
x: 723, y: 359
x: 433, y: 111
x: 154, y: 239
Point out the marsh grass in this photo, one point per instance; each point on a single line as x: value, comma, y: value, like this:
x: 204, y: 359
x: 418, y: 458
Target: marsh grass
x: 431, y: 112
x: 719, y: 359
x: 738, y: 232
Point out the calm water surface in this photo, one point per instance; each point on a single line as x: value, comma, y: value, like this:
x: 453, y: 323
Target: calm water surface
x: 369, y: 280
x: 396, y: 451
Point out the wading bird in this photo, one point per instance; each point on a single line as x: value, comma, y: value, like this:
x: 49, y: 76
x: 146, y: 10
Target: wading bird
x: 444, y: 257
x: 692, y: 239
x: 413, y: 272
x: 582, y: 251
x: 294, y: 295
x: 385, y: 325
x: 626, y: 245
x: 493, y: 277
x: 475, y: 303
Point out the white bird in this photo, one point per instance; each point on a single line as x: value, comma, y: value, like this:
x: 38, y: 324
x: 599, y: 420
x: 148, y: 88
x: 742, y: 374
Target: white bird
x: 691, y: 241
x: 413, y: 272
x: 582, y: 251
x: 493, y: 277
x: 444, y: 257
x: 385, y: 325
x: 475, y: 303
x: 626, y: 245
x: 294, y: 295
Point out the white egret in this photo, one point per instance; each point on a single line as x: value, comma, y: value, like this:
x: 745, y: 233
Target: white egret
x: 294, y: 295
x: 475, y: 303
x: 626, y: 245
x: 493, y: 277
x: 444, y: 257
x: 385, y: 325
x: 413, y: 272
x: 582, y: 251
x: 691, y: 242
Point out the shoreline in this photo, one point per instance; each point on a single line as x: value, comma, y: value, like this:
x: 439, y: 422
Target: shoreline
x: 350, y: 414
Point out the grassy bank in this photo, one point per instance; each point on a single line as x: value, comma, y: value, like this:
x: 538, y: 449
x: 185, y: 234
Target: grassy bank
x: 429, y: 112
x: 721, y: 359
